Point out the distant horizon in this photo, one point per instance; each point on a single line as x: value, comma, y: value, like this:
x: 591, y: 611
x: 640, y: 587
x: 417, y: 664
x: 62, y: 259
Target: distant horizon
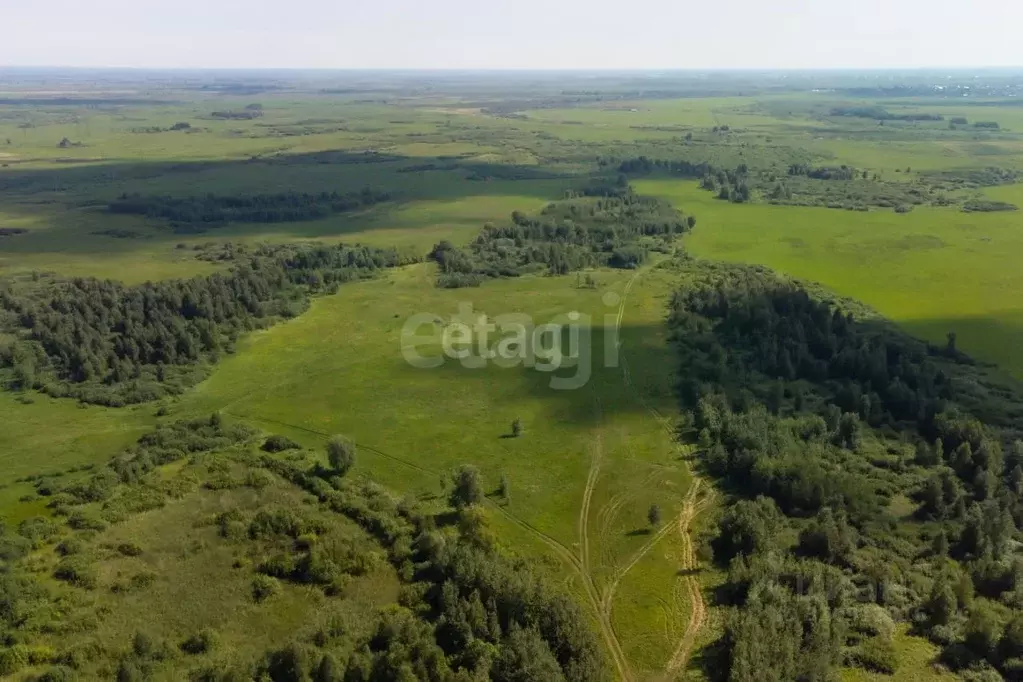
x: 514, y: 35
x: 510, y: 69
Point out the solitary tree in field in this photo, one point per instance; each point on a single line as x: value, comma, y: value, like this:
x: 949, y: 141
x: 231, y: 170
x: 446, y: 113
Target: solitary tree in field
x: 691, y: 222
x: 654, y: 515
x: 951, y: 347
x: 517, y: 427
x: 467, y: 487
x: 341, y: 454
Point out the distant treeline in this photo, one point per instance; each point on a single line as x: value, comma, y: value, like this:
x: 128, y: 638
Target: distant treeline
x: 605, y: 224
x: 107, y: 343
x: 823, y: 173
x: 213, y: 210
x: 818, y: 424
x: 250, y: 112
x: 644, y: 166
x: 882, y: 114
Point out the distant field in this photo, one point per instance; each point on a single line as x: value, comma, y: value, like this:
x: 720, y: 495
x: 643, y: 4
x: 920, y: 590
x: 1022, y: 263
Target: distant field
x: 933, y: 271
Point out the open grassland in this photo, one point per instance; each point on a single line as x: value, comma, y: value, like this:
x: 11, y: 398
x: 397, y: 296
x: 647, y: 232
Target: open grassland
x: 934, y: 271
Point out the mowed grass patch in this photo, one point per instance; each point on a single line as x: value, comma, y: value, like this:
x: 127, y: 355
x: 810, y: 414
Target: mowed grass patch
x: 933, y: 271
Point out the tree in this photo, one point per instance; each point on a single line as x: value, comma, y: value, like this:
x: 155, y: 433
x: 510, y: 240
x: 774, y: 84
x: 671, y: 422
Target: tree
x: 504, y: 489
x: 653, y: 515
x: 982, y: 633
x: 288, y: 664
x: 691, y: 222
x: 525, y: 657
x: 467, y: 487
x: 748, y: 527
x: 516, y: 427
x: 328, y: 670
x: 341, y: 454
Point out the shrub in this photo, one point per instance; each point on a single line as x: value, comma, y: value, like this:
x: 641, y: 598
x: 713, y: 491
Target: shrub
x: 70, y: 546
x: 57, y: 674
x: 278, y: 443
x: 81, y: 521
x: 129, y: 549
x: 202, y: 642
x: 13, y: 659
x: 259, y: 479
x: 76, y: 571
x: 264, y: 587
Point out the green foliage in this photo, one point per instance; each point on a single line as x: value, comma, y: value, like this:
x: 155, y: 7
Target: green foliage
x: 203, y: 642
x: 341, y: 454
x: 616, y: 230
x: 525, y: 657
x: 78, y: 571
x: 278, y: 443
x: 467, y: 487
x: 264, y: 587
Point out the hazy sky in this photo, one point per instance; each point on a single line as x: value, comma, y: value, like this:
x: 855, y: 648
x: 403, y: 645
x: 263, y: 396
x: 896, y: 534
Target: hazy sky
x: 549, y: 34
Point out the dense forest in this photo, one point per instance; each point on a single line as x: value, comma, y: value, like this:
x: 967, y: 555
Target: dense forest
x: 103, y: 342
x: 870, y: 486
x: 198, y: 213
x: 465, y: 612
x: 605, y: 224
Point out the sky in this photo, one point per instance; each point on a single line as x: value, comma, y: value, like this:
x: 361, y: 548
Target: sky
x: 512, y: 34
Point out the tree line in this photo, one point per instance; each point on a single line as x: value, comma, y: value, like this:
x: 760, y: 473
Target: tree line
x: 213, y: 210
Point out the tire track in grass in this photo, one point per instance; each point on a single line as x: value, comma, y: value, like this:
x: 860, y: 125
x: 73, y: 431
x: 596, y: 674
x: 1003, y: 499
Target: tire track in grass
x: 649, y: 545
x: 698, y: 612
